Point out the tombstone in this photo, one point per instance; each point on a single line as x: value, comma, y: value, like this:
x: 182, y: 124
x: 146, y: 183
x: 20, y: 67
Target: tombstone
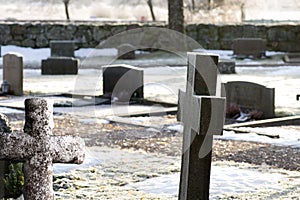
x: 126, y: 51
x: 60, y: 66
x: 226, y: 67
x: 13, y: 72
x: 62, y: 48
x: 39, y: 149
x: 249, y: 47
x: 251, y: 97
x: 123, y: 82
x: 62, y: 61
x: 202, y: 114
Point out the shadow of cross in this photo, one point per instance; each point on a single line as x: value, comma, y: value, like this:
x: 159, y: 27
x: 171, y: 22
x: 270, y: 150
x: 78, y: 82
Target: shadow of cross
x: 38, y: 149
x: 202, y: 114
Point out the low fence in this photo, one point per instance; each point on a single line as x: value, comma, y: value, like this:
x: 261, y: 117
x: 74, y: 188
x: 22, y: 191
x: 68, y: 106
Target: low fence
x: 279, y: 37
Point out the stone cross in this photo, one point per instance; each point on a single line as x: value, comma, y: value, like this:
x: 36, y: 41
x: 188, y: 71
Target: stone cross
x: 39, y: 149
x: 202, y: 114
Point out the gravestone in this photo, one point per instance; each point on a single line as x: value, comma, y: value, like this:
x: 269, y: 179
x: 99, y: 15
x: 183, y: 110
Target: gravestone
x: 123, y: 82
x: 60, y: 66
x: 126, y: 51
x: 62, y: 61
x: 226, y: 67
x: 249, y: 47
x: 62, y: 48
x: 13, y: 72
x: 251, y: 97
x: 39, y: 149
x: 202, y: 114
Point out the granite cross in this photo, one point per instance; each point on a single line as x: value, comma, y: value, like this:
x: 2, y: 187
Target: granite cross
x: 202, y: 114
x: 39, y: 149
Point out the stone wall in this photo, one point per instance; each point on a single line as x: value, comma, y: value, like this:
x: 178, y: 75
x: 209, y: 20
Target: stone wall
x: 90, y: 34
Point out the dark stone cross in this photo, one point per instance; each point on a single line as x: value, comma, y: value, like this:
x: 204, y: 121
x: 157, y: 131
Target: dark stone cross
x: 202, y: 114
x: 39, y: 149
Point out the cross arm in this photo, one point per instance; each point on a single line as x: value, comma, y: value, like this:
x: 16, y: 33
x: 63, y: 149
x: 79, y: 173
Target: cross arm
x: 16, y: 146
x: 67, y: 149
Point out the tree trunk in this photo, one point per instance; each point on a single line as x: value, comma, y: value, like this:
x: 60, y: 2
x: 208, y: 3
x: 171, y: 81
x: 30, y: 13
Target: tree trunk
x: 176, y: 16
x: 66, y: 2
x: 149, y: 2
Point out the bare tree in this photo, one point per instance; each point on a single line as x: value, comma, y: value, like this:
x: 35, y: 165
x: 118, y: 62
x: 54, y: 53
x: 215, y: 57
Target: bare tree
x: 149, y: 2
x: 176, y: 16
x: 66, y: 2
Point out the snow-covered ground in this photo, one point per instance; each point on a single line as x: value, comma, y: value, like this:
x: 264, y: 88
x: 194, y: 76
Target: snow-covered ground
x: 165, y: 81
x: 224, y: 180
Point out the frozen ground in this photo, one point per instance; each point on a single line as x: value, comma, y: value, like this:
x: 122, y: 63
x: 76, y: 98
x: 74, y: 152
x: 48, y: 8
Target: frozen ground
x: 159, y: 81
x: 165, y: 82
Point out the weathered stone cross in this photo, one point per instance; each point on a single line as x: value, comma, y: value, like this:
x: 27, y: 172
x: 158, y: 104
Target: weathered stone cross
x: 203, y: 116
x: 38, y: 149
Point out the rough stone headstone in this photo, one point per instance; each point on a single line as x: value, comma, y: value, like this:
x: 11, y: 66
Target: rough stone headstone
x: 62, y: 61
x: 226, y: 67
x: 13, y: 72
x: 251, y: 97
x: 249, y: 47
x: 62, y: 48
x: 39, y: 149
x: 126, y: 51
x: 202, y: 114
x: 123, y: 82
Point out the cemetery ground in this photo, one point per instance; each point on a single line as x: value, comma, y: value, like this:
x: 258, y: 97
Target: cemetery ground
x: 141, y: 159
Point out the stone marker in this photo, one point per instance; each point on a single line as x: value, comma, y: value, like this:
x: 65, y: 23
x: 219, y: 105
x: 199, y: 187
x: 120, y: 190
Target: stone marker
x: 39, y: 149
x: 62, y: 48
x: 226, y: 67
x: 4, y: 127
x: 60, y: 66
x: 251, y: 97
x: 255, y: 47
x: 62, y: 61
x: 123, y: 82
x: 126, y: 51
x: 13, y: 72
x: 298, y: 97
x: 202, y: 114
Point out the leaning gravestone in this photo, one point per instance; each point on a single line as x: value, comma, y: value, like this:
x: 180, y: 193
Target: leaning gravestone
x: 62, y: 61
x: 252, y: 97
x: 39, y: 149
x: 202, y: 114
x: 13, y: 72
x: 255, y: 47
x: 123, y: 82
